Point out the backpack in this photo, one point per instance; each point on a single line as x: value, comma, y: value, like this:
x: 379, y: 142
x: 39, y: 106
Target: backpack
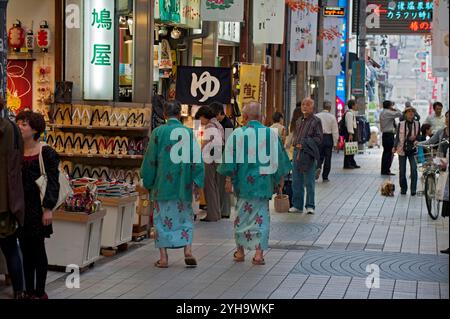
x: 342, y: 126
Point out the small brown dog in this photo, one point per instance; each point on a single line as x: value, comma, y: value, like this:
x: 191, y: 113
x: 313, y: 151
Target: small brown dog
x: 387, y: 189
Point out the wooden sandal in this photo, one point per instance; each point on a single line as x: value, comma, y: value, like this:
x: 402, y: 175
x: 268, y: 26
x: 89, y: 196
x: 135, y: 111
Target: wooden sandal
x: 161, y: 265
x: 59, y: 142
x: 114, y: 117
x: 85, y: 115
x: 190, y: 261
x: 123, y: 117
x: 258, y: 262
x: 237, y: 258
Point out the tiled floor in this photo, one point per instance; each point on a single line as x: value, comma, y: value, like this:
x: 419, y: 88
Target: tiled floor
x: 320, y: 256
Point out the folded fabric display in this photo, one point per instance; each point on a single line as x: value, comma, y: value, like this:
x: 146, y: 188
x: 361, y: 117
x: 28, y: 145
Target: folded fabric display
x: 84, y: 198
x: 114, y: 188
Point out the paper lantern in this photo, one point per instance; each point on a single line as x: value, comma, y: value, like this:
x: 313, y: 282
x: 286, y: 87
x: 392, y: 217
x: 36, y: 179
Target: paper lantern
x: 43, y: 37
x: 16, y: 36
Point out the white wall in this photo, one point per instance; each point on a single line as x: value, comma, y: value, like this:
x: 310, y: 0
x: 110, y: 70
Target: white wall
x: 28, y: 11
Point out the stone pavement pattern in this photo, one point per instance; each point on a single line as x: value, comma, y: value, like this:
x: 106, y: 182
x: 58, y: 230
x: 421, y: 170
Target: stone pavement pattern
x: 311, y: 256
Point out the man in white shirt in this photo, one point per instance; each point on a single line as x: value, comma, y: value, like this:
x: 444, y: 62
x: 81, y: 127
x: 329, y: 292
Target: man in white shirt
x: 436, y: 120
x: 330, y: 139
x: 351, y: 126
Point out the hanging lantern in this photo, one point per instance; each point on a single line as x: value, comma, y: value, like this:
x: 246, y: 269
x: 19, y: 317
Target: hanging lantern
x: 43, y: 37
x: 29, y: 40
x: 16, y: 36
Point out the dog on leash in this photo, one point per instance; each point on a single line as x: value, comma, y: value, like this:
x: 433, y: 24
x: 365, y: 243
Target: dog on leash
x: 387, y: 189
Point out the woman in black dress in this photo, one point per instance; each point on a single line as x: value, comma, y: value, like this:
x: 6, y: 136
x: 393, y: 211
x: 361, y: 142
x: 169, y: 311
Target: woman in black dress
x: 38, y: 216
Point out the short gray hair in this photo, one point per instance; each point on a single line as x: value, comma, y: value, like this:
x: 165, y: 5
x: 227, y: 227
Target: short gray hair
x: 172, y: 108
x: 253, y: 110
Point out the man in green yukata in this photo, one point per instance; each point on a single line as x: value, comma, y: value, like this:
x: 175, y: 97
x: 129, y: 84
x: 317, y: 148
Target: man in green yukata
x: 171, y: 170
x: 255, y: 163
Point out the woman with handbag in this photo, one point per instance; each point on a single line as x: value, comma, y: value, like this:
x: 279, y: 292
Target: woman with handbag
x: 38, y: 213
x: 405, y: 145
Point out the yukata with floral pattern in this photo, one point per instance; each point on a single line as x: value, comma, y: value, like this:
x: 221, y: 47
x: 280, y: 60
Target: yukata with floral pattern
x: 170, y: 184
x: 253, y: 187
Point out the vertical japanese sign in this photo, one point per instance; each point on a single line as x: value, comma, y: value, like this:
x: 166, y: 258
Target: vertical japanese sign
x: 341, y: 79
x: 268, y: 21
x: 304, y: 32
x: 190, y: 13
x: 384, y: 51
x: 439, y: 48
x: 98, y: 50
x: 224, y: 10
x: 332, y: 37
x: 358, y: 78
x: 250, y: 81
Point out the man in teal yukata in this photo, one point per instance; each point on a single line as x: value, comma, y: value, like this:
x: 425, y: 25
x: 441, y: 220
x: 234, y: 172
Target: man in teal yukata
x: 171, y: 170
x: 255, y: 162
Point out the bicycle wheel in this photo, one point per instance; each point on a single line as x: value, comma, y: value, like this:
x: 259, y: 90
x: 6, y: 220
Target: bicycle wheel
x: 433, y: 205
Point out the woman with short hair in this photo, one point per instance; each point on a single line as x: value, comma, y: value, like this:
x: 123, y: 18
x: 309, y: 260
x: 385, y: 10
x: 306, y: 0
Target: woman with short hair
x: 38, y: 214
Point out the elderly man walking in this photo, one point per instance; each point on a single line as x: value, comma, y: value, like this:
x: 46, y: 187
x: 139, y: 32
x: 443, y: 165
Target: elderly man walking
x: 307, y: 140
x: 170, y: 176
x: 254, y: 164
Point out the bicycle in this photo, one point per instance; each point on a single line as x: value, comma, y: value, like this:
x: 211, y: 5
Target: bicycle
x: 430, y: 172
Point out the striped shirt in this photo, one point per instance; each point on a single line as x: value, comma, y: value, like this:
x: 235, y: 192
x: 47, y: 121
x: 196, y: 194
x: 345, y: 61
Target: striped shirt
x: 308, y: 127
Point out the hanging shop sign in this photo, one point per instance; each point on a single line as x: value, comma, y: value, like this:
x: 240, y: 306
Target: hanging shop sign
x: 304, y: 32
x: 19, y: 85
x: 190, y: 13
x: 341, y: 78
x: 229, y: 31
x: 203, y: 85
x: 222, y: 10
x: 169, y: 11
x: 250, y: 78
x: 439, y: 48
x: 268, y: 21
x: 334, y: 12
x: 98, y: 50
x: 332, y: 47
x: 358, y: 78
x: 399, y: 17
x: 156, y: 10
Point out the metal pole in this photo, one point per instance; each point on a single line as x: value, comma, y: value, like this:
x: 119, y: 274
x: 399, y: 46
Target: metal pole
x: 361, y: 101
x: 3, y: 49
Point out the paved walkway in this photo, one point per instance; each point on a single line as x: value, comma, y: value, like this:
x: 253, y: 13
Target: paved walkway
x: 325, y: 255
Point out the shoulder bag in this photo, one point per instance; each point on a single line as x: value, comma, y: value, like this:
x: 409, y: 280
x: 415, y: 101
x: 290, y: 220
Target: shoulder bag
x: 64, y: 185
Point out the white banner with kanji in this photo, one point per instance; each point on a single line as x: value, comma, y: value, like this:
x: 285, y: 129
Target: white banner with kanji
x: 268, y: 21
x: 332, y: 37
x: 304, y: 32
x: 223, y: 10
x: 439, y: 48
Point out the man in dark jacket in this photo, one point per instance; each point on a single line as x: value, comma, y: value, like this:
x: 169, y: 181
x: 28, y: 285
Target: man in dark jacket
x: 306, y: 140
x: 12, y: 205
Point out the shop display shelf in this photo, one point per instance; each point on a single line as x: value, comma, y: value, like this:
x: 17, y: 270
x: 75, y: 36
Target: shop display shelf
x: 108, y: 128
x: 107, y: 156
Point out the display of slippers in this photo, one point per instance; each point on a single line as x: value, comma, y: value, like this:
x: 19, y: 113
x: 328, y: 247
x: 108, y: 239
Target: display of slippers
x: 68, y: 143
x: 123, y: 117
x: 114, y: 117
x: 105, y: 115
x: 147, y: 117
x: 59, y: 142
x: 131, y: 120
x: 50, y: 139
x: 78, y: 139
x: 95, y: 118
x: 76, y: 114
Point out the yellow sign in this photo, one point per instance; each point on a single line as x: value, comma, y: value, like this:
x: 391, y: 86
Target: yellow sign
x: 250, y: 83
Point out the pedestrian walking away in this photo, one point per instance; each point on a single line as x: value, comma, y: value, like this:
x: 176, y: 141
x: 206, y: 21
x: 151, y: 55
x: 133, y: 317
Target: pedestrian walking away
x: 254, y: 183
x: 388, y: 128
x: 170, y: 184
x: 330, y: 140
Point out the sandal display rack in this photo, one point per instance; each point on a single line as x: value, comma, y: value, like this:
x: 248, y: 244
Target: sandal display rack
x: 100, y: 140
